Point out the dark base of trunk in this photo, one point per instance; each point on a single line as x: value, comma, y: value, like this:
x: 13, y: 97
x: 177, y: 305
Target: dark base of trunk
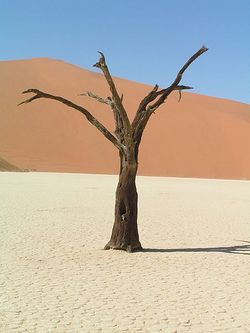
x: 125, y: 231
x: 125, y: 247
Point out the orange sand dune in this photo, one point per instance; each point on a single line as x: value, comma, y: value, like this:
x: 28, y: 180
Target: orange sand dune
x: 199, y: 137
x: 6, y: 166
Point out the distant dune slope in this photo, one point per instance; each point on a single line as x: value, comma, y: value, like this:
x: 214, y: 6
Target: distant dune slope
x: 199, y: 137
x: 6, y: 166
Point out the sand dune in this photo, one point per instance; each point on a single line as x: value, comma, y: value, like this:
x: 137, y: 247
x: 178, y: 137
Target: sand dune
x: 199, y: 137
x: 6, y: 166
x: 55, y: 277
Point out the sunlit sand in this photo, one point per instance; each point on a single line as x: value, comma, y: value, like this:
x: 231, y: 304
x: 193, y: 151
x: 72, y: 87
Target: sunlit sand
x: 194, y: 275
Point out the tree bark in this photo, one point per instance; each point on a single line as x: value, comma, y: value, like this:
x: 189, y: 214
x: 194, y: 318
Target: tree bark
x: 125, y: 234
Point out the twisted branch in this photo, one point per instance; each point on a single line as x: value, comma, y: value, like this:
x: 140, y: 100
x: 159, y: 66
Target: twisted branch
x: 86, y: 113
x: 115, y: 96
x: 145, y: 110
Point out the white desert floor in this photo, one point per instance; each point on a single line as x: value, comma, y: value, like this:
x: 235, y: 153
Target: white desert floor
x: 193, y: 277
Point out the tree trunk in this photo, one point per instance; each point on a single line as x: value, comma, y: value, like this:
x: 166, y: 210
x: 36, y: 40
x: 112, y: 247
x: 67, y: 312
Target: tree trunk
x: 125, y: 231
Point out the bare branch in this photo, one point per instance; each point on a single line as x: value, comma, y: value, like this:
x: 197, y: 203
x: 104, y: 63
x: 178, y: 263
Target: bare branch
x: 86, y: 113
x: 115, y: 96
x: 145, y: 110
x: 142, y: 106
x: 180, y: 88
x: 119, y: 130
x: 188, y: 63
x: 98, y: 98
x: 166, y: 92
x: 149, y: 98
x: 119, y: 127
x: 37, y: 92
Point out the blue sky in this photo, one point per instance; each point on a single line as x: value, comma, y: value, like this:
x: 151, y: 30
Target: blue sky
x: 143, y: 40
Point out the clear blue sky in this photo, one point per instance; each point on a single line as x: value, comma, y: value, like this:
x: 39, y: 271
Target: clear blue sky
x: 143, y: 40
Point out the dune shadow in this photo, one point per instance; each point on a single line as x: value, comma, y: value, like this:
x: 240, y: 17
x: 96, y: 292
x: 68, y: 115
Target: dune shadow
x: 236, y: 249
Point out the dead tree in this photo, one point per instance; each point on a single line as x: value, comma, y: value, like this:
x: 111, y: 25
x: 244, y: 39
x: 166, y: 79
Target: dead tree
x: 126, y: 139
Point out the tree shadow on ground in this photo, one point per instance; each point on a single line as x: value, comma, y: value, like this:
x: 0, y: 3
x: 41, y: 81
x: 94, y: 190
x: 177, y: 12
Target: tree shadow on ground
x: 236, y: 249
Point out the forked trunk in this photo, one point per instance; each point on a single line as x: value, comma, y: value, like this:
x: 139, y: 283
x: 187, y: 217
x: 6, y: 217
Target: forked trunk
x: 125, y: 231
